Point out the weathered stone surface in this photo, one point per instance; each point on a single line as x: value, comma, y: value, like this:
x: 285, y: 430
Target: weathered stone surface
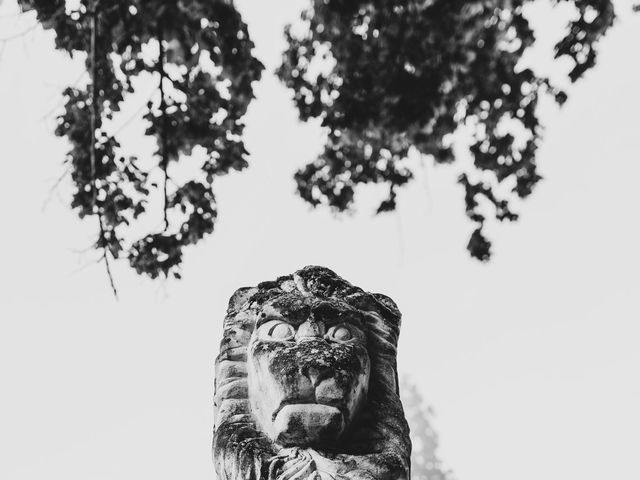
x: 306, y: 383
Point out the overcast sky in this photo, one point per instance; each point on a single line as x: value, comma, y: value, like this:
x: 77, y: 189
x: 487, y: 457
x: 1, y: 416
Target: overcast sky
x: 531, y: 361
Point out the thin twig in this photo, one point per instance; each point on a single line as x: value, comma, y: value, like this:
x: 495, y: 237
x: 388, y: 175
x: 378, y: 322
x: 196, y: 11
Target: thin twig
x: 163, y: 133
x: 105, y: 257
x: 19, y: 34
x: 8, y: 16
x: 82, y: 251
x: 133, y: 116
x: 62, y: 99
x: 85, y: 265
x: 54, y: 187
x: 94, y: 102
x: 94, y: 127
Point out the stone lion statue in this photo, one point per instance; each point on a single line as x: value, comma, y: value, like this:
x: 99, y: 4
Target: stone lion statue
x: 306, y: 383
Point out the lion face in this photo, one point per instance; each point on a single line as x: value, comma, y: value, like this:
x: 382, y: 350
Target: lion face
x: 308, y: 369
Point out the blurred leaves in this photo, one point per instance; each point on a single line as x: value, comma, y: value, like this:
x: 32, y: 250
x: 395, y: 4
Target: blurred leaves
x: 204, y: 74
x: 390, y: 77
x: 425, y: 463
x: 387, y: 78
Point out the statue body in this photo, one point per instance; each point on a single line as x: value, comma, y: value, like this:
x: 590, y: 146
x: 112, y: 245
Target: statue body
x: 306, y: 383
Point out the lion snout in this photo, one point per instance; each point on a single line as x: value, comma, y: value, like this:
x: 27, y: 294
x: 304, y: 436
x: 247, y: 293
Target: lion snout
x: 317, y: 374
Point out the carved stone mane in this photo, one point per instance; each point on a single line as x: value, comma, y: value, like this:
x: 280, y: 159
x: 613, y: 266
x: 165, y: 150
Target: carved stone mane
x: 306, y: 383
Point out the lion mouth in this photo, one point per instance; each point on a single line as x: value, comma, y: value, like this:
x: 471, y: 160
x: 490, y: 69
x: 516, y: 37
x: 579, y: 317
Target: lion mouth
x: 284, y: 403
x: 300, y: 402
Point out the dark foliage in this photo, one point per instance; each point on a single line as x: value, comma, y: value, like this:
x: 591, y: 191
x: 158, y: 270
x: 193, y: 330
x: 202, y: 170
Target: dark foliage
x: 203, y: 68
x: 388, y: 77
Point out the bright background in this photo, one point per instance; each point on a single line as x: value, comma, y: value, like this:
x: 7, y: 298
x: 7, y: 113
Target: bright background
x: 531, y: 361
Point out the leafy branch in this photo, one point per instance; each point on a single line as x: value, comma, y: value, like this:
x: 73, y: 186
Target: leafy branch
x: 388, y: 78
x: 201, y: 108
x: 95, y: 122
x: 391, y: 77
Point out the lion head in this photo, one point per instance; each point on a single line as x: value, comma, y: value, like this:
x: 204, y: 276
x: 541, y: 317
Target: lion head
x: 306, y: 383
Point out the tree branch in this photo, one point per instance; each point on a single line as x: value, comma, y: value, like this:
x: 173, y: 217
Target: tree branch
x: 163, y: 132
x: 54, y: 187
x: 95, y: 121
x: 105, y: 257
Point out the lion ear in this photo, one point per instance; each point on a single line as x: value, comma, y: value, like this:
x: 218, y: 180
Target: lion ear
x: 239, y: 299
x: 378, y: 303
x: 392, y: 310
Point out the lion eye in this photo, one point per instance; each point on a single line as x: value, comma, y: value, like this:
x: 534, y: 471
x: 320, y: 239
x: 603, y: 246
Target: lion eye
x: 339, y: 333
x: 282, y: 331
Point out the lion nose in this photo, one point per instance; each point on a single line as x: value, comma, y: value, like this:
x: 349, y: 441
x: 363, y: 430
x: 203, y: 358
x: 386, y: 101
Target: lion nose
x: 317, y: 375
x: 310, y: 330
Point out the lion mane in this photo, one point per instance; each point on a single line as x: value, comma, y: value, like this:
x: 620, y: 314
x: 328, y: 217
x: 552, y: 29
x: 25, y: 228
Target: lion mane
x: 377, y: 444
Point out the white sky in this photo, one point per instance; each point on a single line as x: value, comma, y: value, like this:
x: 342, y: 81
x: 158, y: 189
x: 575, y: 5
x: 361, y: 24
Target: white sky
x: 531, y: 362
